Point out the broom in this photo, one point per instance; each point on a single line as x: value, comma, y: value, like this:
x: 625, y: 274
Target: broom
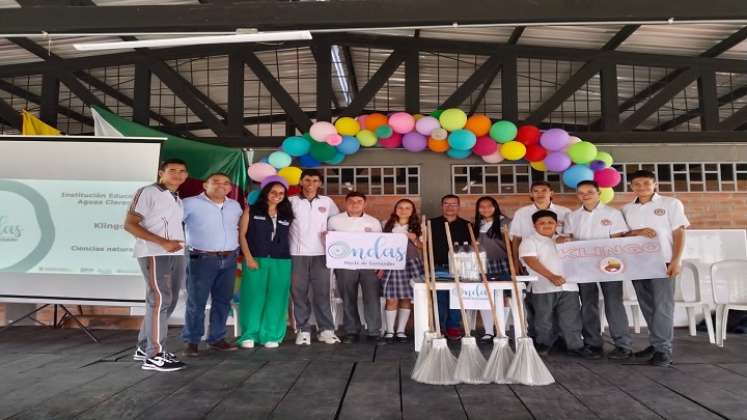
x: 471, y: 363
x: 438, y: 368
x: 430, y: 334
x: 502, y: 355
x: 527, y: 368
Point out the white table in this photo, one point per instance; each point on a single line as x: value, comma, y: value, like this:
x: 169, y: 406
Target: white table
x: 420, y: 304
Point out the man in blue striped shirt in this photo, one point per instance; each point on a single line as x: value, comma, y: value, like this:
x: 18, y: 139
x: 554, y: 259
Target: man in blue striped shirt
x: 211, y: 220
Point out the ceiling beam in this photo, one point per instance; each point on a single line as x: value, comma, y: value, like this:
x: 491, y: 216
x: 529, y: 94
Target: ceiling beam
x: 273, y: 15
x: 735, y: 120
x: 660, y: 98
x: 278, y: 92
x: 9, y: 115
x: 687, y: 116
x: 350, y: 67
x: 509, y: 82
x: 36, y: 99
x: 477, y: 78
x: 325, y: 94
x: 412, y: 82
x: 374, y: 84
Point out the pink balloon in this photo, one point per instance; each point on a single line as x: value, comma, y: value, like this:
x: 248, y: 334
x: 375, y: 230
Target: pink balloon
x: 607, y: 177
x: 392, y: 142
x: 414, y: 141
x: 362, y: 120
x: 320, y: 130
x: 485, y: 146
x: 557, y: 162
x: 494, y: 157
x: 426, y: 125
x: 260, y: 170
x: 334, y: 139
x: 401, y: 122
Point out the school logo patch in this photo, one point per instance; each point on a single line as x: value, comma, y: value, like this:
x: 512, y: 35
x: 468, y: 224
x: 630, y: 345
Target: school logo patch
x: 322, y: 209
x: 368, y: 229
x: 606, y: 222
x: 660, y: 212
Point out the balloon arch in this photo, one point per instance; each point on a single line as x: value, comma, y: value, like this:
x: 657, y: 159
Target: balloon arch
x: 448, y: 132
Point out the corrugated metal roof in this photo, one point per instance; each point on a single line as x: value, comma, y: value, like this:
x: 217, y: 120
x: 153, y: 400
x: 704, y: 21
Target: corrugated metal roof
x: 6, y: 4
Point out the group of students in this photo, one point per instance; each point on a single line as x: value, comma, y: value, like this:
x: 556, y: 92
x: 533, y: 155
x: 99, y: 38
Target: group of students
x: 280, y: 240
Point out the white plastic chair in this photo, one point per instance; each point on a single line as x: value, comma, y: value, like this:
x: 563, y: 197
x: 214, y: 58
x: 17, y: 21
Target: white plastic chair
x: 729, y: 292
x: 688, y: 293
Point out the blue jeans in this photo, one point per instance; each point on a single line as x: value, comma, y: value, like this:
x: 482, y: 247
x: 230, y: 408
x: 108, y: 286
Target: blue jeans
x: 449, y: 318
x: 214, y: 276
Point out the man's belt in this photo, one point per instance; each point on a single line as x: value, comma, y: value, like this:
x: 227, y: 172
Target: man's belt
x: 213, y: 253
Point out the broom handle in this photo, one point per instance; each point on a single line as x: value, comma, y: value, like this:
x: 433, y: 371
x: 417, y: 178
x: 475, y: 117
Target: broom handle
x: 426, y: 273
x: 456, y: 280
x: 517, y: 296
x: 436, y: 319
x: 484, y: 278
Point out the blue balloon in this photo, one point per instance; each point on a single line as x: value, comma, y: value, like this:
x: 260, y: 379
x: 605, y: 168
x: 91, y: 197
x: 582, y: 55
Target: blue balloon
x: 349, y: 145
x: 459, y: 154
x: 306, y: 161
x: 339, y: 157
x: 462, y: 139
x: 577, y: 173
x: 265, y: 159
x: 296, y: 146
x: 252, y: 197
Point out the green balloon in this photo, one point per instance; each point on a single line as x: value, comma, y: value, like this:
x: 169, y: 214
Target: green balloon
x: 384, y: 131
x: 503, y: 131
x: 582, y: 152
x: 307, y: 136
x: 322, y: 151
x: 606, y: 158
x: 437, y: 113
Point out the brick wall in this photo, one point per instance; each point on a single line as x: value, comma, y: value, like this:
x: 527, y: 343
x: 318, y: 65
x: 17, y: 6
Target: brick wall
x: 705, y: 211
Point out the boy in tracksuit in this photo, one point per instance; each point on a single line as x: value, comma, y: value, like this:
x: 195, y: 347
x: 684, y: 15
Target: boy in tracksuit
x: 551, y: 294
x: 656, y: 216
x: 594, y: 220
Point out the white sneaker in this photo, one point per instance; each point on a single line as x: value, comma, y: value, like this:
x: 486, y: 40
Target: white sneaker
x: 328, y: 336
x: 247, y: 344
x: 303, y: 338
x: 139, y: 355
x: 271, y: 345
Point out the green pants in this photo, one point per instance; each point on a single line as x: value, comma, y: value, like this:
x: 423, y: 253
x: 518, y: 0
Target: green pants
x: 263, y: 308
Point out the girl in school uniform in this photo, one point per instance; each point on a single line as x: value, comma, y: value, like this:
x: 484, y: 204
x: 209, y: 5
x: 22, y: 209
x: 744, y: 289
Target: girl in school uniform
x: 396, y: 283
x: 487, y: 228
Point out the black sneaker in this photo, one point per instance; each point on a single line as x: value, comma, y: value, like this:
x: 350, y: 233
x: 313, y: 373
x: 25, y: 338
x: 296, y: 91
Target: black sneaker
x: 542, y: 349
x: 161, y: 363
x: 375, y: 339
x: 646, y: 353
x: 620, y: 353
x: 584, y: 353
x: 350, y: 339
x: 401, y: 337
x: 596, y: 352
x: 661, y: 359
x: 389, y: 337
x: 140, y: 355
x: 191, y: 350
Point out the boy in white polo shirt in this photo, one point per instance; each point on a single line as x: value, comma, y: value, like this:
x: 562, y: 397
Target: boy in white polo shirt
x: 551, y: 294
x: 311, y: 212
x: 354, y: 219
x: 594, y: 220
x: 656, y: 216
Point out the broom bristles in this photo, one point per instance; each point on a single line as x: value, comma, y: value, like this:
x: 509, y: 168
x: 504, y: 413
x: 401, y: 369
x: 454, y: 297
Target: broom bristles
x: 527, y: 367
x: 470, y: 364
x: 496, y: 369
x: 425, y: 350
x: 438, y: 368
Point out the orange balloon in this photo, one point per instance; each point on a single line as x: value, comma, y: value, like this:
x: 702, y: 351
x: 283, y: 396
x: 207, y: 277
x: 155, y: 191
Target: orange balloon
x: 478, y: 124
x: 438, y: 146
x: 374, y: 121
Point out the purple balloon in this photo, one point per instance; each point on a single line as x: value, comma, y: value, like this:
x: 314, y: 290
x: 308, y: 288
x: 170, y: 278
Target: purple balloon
x: 273, y: 178
x: 555, y: 139
x: 597, y: 165
x: 557, y: 162
x: 426, y: 125
x: 414, y: 142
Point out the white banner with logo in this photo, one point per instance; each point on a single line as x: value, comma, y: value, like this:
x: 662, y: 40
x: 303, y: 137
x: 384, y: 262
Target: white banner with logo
x: 366, y: 250
x: 474, y: 295
x: 616, y: 259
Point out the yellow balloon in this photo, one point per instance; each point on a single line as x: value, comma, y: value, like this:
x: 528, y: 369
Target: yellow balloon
x: 291, y: 174
x: 347, y: 126
x: 538, y: 166
x: 367, y: 138
x: 606, y: 195
x: 513, y: 150
x: 453, y: 119
x: 417, y: 116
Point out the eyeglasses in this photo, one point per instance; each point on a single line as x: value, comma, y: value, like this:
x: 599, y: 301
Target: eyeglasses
x: 450, y: 204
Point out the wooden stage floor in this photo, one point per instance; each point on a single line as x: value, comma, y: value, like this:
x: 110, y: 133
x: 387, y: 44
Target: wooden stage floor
x: 46, y: 373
